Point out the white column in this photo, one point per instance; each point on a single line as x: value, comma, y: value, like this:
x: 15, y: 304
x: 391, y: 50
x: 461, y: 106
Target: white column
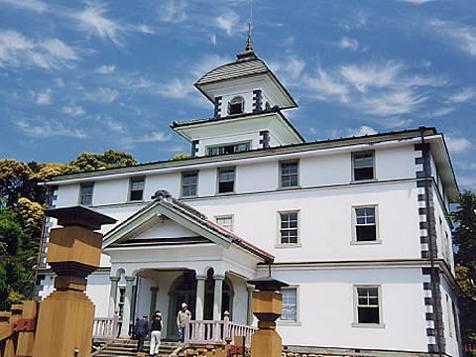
x: 126, y: 312
x: 217, y: 296
x: 113, y: 295
x: 249, y: 319
x: 200, y: 300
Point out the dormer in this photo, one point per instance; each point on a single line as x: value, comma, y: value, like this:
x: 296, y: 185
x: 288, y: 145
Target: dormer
x: 247, y: 99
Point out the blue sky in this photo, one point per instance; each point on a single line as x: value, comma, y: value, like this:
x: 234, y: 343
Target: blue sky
x: 93, y: 75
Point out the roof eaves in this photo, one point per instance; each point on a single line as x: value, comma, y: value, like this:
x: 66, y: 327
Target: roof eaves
x: 319, y: 144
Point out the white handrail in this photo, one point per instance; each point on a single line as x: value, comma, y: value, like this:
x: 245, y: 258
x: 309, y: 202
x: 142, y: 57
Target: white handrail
x: 214, y: 331
x: 105, y: 328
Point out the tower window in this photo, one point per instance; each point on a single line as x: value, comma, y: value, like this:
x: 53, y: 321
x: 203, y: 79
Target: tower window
x: 236, y: 105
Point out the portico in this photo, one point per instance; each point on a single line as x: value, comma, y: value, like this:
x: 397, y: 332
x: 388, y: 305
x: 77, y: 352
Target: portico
x: 169, y: 253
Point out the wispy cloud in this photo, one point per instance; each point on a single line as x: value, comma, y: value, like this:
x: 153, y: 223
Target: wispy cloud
x: 416, y: 2
x: 111, y: 124
x: 458, y: 144
x: 48, y: 128
x: 229, y: 21
x: 32, y: 5
x: 173, y: 11
x: 462, y: 36
x: 379, y: 89
x: 349, y: 132
x: 103, y: 95
x: 463, y: 96
x: 289, y: 69
x: 349, y: 43
x: 74, y: 110
x: 16, y: 50
x: 105, y: 69
x: 42, y: 97
x: 93, y: 20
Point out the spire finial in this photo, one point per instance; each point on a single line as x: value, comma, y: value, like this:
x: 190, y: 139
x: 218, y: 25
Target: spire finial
x: 248, y: 53
x: 249, y: 42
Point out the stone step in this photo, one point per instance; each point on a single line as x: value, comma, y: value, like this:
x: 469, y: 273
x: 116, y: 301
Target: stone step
x: 127, y: 348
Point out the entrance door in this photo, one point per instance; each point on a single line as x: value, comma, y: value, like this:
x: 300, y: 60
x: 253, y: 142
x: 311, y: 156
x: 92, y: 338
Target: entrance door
x: 183, y: 290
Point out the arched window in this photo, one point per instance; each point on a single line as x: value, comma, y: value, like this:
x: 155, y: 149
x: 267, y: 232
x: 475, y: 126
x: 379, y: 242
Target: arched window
x: 236, y: 105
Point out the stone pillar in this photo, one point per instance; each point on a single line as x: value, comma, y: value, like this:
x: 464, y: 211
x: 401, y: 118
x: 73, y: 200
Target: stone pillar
x: 249, y: 317
x: 65, y: 320
x: 126, y: 310
x: 217, y: 296
x: 153, y: 300
x: 200, y: 302
x: 113, y: 295
x: 267, y: 307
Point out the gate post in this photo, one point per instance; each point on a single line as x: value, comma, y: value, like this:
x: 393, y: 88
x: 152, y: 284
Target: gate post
x: 11, y: 343
x: 26, y: 329
x: 65, y: 320
x: 267, y: 307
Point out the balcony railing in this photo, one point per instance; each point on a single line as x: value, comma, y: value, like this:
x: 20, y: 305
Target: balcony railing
x: 213, y: 331
x: 106, y: 328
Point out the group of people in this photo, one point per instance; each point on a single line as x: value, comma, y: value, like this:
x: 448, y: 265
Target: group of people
x: 144, y: 328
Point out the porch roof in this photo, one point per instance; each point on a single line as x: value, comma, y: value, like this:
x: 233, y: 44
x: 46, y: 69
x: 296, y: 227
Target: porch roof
x: 163, y: 203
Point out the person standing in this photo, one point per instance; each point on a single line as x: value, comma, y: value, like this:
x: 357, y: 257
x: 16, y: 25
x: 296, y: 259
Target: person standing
x: 155, y: 332
x: 141, y: 330
x: 183, y: 318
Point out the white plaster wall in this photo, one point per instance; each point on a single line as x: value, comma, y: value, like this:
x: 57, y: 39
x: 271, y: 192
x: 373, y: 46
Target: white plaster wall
x: 102, y: 191
x: 168, y: 181
x: 325, y: 221
x: 68, y: 195
x: 240, y: 299
x: 325, y: 170
x: 97, y: 290
x: 326, y: 309
x: 453, y: 347
x: 257, y: 177
x: 395, y: 162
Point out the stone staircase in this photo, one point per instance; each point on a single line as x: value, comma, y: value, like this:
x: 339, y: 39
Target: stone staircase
x: 127, y: 348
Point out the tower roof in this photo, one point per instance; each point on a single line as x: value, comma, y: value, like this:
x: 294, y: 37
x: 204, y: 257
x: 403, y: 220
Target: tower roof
x: 248, y: 65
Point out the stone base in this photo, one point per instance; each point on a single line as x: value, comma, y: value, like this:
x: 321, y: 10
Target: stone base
x: 65, y: 324
x: 311, y: 351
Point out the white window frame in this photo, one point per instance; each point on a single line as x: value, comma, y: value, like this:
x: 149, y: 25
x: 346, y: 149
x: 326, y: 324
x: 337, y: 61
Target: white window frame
x: 356, y: 322
x: 80, y: 198
x: 296, y: 322
x: 374, y: 161
x: 218, y: 180
x: 281, y: 175
x: 242, y: 102
x: 130, y: 189
x: 248, y: 142
x: 354, y: 240
x: 279, y: 244
x: 181, y: 182
x: 226, y: 216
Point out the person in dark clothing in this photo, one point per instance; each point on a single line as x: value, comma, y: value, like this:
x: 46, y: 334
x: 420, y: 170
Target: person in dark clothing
x: 141, y: 330
x: 155, y: 332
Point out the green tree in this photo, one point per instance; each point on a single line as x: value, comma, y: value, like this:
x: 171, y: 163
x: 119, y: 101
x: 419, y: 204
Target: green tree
x: 181, y: 157
x: 16, y: 264
x: 464, y: 237
x: 87, y: 161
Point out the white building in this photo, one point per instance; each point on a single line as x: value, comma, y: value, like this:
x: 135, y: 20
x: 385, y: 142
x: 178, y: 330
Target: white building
x: 358, y: 226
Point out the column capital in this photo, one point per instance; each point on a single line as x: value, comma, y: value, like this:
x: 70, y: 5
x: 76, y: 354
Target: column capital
x: 219, y: 277
x: 201, y: 277
x: 114, y: 279
x: 130, y: 278
x: 154, y: 288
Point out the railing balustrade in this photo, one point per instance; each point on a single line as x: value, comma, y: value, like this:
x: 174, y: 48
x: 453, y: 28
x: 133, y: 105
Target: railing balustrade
x: 213, y: 331
x: 105, y: 328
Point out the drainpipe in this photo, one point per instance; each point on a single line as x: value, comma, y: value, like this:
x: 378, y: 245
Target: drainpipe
x: 434, y: 276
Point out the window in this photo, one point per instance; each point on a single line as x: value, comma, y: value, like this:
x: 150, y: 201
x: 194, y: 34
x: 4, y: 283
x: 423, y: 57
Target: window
x: 228, y: 149
x: 226, y: 180
x: 363, y: 165
x: 86, y: 194
x: 368, y: 305
x: 225, y: 222
x: 289, y: 174
x: 236, y: 106
x: 289, y: 312
x: 365, y: 224
x: 137, y: 189
x: 288, y: 227
x: 189, y: 184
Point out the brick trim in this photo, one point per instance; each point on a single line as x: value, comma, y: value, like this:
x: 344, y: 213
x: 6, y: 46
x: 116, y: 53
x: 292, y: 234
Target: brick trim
x: 257, y: 100
x: 265, y: 139
x: 218, y: 106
